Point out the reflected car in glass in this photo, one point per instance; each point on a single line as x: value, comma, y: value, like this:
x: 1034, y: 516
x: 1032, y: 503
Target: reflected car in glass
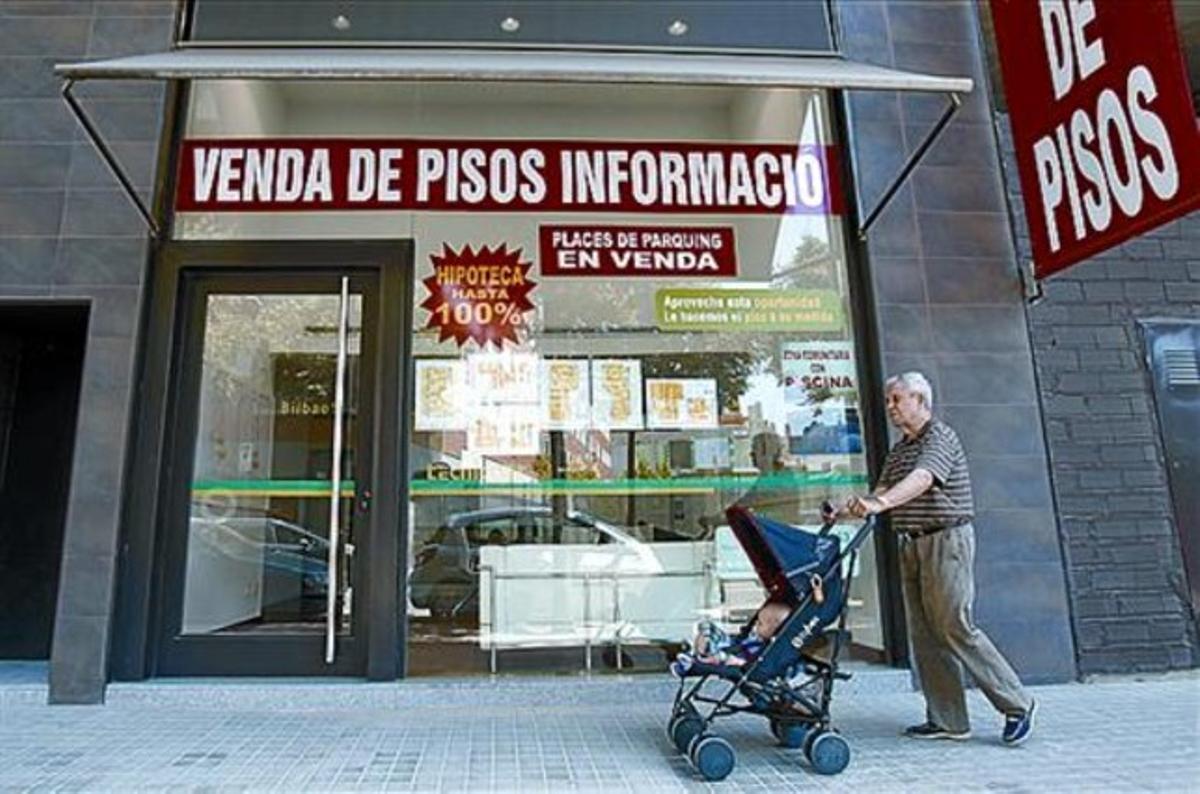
x: 285, y: 550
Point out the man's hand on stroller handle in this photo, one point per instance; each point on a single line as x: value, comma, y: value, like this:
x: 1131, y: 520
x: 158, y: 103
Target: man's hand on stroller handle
x: 915, y: 483
x: 856, y: 506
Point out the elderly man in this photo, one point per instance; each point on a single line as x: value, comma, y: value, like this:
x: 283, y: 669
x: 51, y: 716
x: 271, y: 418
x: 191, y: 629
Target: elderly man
x: 926, y: 488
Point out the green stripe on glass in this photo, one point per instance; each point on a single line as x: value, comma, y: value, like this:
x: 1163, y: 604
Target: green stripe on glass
x: 674, y: 485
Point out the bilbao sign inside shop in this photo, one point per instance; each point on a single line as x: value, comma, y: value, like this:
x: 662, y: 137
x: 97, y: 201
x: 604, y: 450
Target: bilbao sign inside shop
x: 1102, y: 118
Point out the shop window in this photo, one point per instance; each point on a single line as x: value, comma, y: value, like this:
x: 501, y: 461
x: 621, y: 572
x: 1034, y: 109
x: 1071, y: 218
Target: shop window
x: 573, y: 451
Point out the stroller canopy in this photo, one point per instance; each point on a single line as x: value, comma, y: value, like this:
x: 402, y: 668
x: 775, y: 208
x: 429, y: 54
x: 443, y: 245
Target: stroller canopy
x: 784, y: 557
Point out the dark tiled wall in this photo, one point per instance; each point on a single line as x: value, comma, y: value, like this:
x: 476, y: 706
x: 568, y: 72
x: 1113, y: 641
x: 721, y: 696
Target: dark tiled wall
x: 67, y: 233
x: 1125, y: 569
x: 950, y: 304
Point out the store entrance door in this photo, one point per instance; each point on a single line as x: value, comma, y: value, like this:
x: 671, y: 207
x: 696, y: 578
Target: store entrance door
x: 270, y: 549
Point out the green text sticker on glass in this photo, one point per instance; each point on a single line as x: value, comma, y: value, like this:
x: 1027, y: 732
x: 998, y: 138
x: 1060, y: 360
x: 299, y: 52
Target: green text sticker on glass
x: 693, y: 309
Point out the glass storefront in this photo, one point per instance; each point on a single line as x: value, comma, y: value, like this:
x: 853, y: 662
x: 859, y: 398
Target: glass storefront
x: 567, y: 483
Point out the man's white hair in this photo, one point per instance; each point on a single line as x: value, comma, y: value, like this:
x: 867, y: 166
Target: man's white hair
x: 912, y: 382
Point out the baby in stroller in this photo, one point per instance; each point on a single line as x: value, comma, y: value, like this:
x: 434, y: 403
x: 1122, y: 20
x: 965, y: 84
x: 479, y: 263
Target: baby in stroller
x: 713, y: 645
x: 784, y: 665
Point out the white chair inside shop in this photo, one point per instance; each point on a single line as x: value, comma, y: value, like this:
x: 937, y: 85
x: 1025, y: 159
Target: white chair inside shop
x: 534, y: 595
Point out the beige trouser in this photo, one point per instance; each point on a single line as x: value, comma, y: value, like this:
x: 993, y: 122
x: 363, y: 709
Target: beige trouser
x: 939, y: 589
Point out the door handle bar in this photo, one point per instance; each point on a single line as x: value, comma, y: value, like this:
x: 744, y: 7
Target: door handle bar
x: 339, y: 408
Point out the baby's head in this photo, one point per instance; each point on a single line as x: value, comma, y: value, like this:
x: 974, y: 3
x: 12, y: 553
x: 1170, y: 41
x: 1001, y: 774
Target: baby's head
x: 770, y: 618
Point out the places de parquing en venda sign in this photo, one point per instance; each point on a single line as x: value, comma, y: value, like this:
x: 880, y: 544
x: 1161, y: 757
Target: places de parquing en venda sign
x: 603, y: 251
x: 314, y: 174
x: 1102, y: 118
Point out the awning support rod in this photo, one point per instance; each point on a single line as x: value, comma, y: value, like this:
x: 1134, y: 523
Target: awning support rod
x: 954, y: 104
x: 109, y: 159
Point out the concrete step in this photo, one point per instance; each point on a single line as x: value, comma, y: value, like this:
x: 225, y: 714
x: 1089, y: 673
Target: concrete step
x: 27, y: 687
x: 23, y: 682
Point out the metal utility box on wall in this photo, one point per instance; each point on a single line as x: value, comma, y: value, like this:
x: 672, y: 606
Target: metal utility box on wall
x: 1173, y: 359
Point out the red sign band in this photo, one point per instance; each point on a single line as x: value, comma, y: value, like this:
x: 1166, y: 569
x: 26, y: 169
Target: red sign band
x: 289, y: 174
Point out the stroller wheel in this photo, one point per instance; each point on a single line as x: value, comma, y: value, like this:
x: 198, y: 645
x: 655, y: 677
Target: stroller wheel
x: 806, y: 742
x: 683, y: 729
x: 789, y: 734
x: 713, y: 757
x: 829, y: 754
x: 684, y: 709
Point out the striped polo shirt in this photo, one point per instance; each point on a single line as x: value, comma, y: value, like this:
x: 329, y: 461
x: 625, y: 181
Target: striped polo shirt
x: 948, y: 501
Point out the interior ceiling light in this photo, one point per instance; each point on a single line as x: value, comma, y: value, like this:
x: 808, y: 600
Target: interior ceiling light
x: 678, y: 28
x: 510, y: 25
x: 341, y: 22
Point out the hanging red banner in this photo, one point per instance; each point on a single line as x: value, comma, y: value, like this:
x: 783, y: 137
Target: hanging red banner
x: 1102, y: 118
x: 478, y: 294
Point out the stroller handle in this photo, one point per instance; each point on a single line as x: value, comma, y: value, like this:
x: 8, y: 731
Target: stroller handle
x: 829, y: 514
x: 860, y: 536
x: 827, y: 509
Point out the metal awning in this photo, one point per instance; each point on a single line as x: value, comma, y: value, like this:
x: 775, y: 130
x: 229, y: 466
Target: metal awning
x: 509, y: 65
x: 575, y: 66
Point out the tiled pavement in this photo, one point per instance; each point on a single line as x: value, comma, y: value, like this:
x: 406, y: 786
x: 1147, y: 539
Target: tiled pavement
x: 1115, y: 735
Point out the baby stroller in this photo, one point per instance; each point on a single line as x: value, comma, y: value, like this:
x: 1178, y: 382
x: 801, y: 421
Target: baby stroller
x: 791, y: 681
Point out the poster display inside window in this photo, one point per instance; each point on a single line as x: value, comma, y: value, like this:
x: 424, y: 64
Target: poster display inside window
x: 505, y: 403
x: 505, y: 430
x: 681, y: 403
x: 440, y: 394
x: 566, y: 394
x: 503, y: 378
x: 617, y: 394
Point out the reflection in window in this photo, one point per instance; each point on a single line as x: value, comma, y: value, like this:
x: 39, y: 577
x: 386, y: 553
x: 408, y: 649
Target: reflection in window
x: 259, y: 518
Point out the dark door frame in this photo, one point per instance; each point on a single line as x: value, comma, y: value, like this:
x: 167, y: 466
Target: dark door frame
x: 274, y: 653
x: 872, y: 416
x: 142, y: 585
